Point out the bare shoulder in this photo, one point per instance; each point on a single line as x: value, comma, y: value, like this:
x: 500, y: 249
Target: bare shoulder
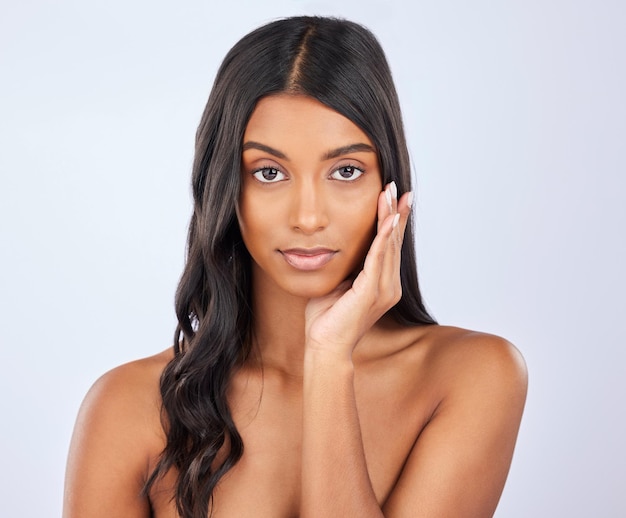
x: 464, y: 349
x: 463, y: 357
x: 474, y: 385
x: 117, y: 436
x: 130, y: 383
x: 127, y: 395
x: 452, y: 355
x: 456, y: 364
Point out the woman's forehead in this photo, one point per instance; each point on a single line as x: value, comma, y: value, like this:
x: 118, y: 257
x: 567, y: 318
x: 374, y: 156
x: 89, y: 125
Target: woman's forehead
x: 303, y: 117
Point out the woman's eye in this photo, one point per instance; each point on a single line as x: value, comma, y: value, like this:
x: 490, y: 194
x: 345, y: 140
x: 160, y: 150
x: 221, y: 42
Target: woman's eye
x: 347, y: 173
x: 268, y: 175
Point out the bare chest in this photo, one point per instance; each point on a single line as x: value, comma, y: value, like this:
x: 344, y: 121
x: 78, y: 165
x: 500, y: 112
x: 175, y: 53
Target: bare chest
x: 268, y: 414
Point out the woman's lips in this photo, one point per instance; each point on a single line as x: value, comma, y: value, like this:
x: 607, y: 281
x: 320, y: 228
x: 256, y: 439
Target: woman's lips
x: 308, y: 259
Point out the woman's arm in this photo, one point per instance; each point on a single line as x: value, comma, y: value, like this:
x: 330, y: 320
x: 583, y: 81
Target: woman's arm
x: 108, y: 459
x: 335, y: 481
x: 460, y: 460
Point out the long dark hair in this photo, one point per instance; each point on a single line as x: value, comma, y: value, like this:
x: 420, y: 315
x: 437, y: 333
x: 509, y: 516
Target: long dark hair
x: 340, y: 64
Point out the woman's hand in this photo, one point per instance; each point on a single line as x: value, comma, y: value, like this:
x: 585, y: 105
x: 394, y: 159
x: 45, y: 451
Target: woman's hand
x: 335, y: 322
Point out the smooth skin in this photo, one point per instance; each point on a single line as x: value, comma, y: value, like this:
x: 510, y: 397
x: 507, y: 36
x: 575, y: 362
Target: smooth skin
x: 342, y: 411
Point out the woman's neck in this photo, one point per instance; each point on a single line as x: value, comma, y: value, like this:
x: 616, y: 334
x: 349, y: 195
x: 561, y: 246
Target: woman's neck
x: 278, y: 327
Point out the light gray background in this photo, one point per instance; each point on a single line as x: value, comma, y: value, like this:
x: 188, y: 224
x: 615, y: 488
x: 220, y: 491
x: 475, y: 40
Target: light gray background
x: 515, y: 115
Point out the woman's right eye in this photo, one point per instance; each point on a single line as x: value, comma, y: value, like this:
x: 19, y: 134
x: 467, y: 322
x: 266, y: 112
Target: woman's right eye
x: 268, y: 175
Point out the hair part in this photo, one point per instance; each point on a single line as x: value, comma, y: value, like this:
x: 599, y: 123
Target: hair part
x: 293, y: 81
x: 342, y: 65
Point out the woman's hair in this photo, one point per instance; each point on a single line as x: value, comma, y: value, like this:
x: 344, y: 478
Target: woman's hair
x: 342, y: 65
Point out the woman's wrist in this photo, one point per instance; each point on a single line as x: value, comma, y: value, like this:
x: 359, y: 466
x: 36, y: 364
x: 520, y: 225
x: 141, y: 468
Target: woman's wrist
x: 328, y: 359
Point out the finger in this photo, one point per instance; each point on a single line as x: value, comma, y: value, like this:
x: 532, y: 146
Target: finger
x: 393, y: 191
x: 368, y: 279
x: 364, y: 293
x: 404, y: 209
x: 385, y: 205
x: 400, y: 210
x: 390, y: 285
x: 383, y: 209
x: 383, y: 261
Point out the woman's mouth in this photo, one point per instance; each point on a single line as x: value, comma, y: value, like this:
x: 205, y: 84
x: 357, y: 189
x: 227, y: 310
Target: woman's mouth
x: 308, y: 259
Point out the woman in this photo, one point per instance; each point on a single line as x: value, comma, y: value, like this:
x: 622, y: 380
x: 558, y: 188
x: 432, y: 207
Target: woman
x: 306, y: 377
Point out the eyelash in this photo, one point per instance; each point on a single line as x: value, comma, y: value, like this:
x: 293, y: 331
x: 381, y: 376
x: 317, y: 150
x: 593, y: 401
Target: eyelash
x: 355, y: 169
x: 258, y: 173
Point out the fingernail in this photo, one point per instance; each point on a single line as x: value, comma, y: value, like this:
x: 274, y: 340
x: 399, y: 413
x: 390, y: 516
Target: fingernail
x: 394, y: 190
x: 409, y: 199
x: 396, y: 218
x: 388, y: 198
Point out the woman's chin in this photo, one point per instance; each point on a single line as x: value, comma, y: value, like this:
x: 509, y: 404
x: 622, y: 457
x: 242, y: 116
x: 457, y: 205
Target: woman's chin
x: 312, y: 290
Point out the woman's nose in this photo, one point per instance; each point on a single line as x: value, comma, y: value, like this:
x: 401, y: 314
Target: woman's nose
x: 308, y: 208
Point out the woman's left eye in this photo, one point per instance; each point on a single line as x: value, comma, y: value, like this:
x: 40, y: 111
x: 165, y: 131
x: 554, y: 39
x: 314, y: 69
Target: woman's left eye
x: 347, y: 173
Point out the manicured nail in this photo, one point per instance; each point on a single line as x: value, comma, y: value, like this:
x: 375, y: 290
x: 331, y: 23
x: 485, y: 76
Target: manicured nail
x: 396, y: 218
x: 409, y: 199
x: 388, y: 198
x: 394, y: 190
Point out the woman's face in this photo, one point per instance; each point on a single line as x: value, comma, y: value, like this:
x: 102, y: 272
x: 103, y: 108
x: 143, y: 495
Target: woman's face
x: 308, y: 204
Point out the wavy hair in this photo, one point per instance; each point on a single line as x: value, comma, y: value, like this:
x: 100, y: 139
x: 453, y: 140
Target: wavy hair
x: 342, y: 65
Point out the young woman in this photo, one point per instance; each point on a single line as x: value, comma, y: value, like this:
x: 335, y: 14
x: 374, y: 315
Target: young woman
x: 306, y: 377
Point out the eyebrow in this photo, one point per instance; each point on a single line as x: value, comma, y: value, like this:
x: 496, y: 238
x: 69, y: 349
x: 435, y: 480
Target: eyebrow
x: 346, y: 150
x: 262, y: 147
x: 333, y: 153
